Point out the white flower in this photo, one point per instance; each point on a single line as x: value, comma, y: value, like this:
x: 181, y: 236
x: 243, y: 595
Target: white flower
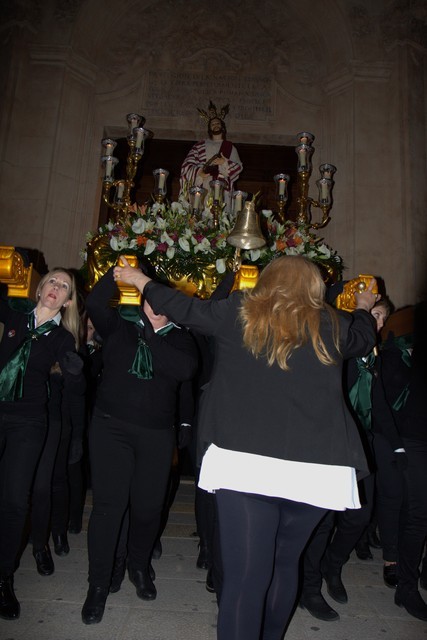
x: 254, y: 254
x: 133, y: 244
x: 157, y: 208
x: 204, y: 246
x: 220, y: 265
x: 139, y: 225
x: 160, y: 223
x: 292, y: 251
x: 267, y: 213
x: 109, y: 225
x: 324, y: 250
x: 177, y: 207
x: 89, y: 236
x: 118, y: 244
x: 149, y: 247
x: 165, y: 237
x: 184, y: 244
x: 170, y: 252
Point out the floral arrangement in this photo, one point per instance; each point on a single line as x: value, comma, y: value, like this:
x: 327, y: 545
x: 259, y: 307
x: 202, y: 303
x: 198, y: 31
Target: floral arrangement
x: 179, y: 244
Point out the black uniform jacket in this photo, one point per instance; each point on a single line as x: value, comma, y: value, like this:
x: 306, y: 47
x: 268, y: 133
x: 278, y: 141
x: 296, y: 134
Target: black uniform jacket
x: 299, y: 414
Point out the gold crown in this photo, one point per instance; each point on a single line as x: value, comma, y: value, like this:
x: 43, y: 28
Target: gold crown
x: 212, y: 113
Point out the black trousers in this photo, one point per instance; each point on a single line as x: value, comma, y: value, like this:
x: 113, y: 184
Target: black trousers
x: 413, y: 524
x: 261, y: 542
x: 41, y: 498
x: 21, y: 442
x: 130, y: 466
x: 389, y: 485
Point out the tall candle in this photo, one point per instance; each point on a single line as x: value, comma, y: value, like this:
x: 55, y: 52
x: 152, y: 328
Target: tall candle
x: 302, y: 157
x: 139, y: 137
x: 324, y: 190
x: 282, y: 185
x: 216, y: 191
x: 196, y: 200
x: 237, y: 202
x: 120, y: 190
x: 161, y: 180
x: 108, y: 166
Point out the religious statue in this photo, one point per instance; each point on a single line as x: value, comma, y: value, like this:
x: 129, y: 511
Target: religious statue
x: 213, y: 158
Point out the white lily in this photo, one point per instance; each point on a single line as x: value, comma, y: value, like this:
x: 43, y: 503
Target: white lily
x: 220, y: 265
x: 170, y: 252
x: 149, y: 247
x: 139, y: 225
x: 184, y: 244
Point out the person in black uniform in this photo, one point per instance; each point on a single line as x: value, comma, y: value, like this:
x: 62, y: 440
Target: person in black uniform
x: 280, y: 444
x: 35, y: 337
x: 131, y: 436
x: 405, y: 376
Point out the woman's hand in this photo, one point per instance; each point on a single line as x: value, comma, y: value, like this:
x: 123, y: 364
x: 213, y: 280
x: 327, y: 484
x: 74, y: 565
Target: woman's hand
x: 366, y: 299
x: 130, y: 275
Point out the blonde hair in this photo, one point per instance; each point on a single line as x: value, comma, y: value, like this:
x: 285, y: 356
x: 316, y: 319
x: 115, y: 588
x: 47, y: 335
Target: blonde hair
x: 70, y: 314
x: 283, y: 312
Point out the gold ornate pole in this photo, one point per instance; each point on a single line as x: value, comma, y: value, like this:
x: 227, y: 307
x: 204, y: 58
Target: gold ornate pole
x: 304, y: 152
x: 121, y: 201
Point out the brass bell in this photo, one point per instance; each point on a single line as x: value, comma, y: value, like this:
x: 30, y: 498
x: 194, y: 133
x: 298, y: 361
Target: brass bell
x: 247, y: 232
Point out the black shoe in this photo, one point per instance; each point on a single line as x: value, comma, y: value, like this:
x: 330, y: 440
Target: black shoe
x: 204, y: 558
x: 209, y: 582
x: 75, y: 526
x: 44, y: 561
x: 9, y: 605
x: 60, y: 544
x: 118, y: 574
x: 373, y: 539
x: 363, y: 552
x: 93, y: 608
x: 157, y: 550
x: 317, y: 606
x: 390, y: 575
x: 412, y: 602
x: 143, y: 582
x: 334, y: 585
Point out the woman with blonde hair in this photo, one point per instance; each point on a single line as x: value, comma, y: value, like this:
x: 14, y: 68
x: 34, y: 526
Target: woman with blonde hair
x: 35, y: 337
x: 281, y: 447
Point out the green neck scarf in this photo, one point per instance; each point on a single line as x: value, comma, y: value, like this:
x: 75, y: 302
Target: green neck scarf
x: 403, y: 343
x: 360, y: 394
x: 13, y: 373
x: 142, y: 366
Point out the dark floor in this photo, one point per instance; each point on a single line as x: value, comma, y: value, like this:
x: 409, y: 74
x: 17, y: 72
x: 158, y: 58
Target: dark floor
x: 184, y: 610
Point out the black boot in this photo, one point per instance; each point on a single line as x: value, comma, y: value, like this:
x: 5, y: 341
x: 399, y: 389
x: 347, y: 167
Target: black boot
x: 390, y: 575
x: 9, y: 605
x: 317, y: 606
x: 332, y: 577
x: 44, y: 561
x: 118, y: 574
x: 363, y: 551
x: 156, y: 554
x: 204, y: 560
x: 60, y: 544
x: 93, y: 608
x: 412, y: 602
x: 143, y: 582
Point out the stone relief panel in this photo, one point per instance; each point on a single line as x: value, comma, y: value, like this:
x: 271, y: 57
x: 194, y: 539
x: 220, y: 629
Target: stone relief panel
x: 238, y: 53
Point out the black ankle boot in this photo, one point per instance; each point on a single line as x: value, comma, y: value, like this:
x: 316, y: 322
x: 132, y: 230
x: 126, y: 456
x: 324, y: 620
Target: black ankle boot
x: 317, y: 606
x: 60, y: 544
x: 93, y: 608
x: 334, y: 583
x: 141, y: 579
x: 412, y: 602
x: 390, y: 575
x: 118, y: 574
x: 9, y: 605
x: 44, y: 561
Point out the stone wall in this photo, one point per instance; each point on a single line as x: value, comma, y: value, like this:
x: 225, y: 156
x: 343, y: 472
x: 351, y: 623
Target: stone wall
x: 353, y: 73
